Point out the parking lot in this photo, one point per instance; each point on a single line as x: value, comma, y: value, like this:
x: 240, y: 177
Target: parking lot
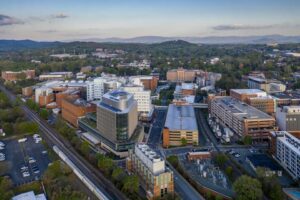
x: 24, y: 161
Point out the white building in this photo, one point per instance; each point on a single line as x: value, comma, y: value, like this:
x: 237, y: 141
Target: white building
x: 288, y: 118
x: 143, y: 97
x: 29, y: 196
x: 99, y: 86
x: 288, y: 152
x: 44, y: 91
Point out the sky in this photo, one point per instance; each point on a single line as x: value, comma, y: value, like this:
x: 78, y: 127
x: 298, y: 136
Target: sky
x: 48, y: 20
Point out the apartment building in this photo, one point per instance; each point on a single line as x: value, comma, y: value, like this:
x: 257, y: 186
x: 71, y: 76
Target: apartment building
x: 288, y: 118
x: 288, y: 152
x: 242, y: 118
x: 154, y: 176
x: 14, y: 76
x: 180, y: 126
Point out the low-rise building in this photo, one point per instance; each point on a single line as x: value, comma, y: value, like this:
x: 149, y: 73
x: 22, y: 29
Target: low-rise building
x: 14, y: 76
x: 27, y: 91
x: 288, y: 118
x: 74, y: 108
x: 149, y: 82
x: 270, y: 86
x: 151, y: 169
x: 180, y: 126
x: 286, y: 98
x: 242, y: 118
x: 56, y: 76
x: 199, y: 155
x: 287, y: 152
x: 29, y: 196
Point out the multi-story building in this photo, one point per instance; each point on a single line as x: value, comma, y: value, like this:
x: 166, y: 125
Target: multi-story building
x: 288, y: 118
x: 149, y: 82
x: 287, y: 98
x: 270, y: 86
x: 14, y: 76
x: 151, y: 169
x: 27, y: 91
x: 43, y: 95
x: 143, y: 97
x: 242, y: 118
x: 287, y: 152
x: 56, y: 76
x: 180, y: 126
x: 181, y: 75
x: 256, y: 98
x: 73, y: 108
x: 116, y: 122
x: 99, y: 86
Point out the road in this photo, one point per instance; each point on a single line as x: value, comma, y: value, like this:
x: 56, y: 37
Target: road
x: 53, y: 138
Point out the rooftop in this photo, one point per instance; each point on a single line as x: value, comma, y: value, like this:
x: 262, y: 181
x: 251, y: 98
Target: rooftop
x: 181, y: 118
x: 249, y: 91
x: 291, y: 141
x: 240, y: 109
x: 262, y: 160
x: 29, y: 196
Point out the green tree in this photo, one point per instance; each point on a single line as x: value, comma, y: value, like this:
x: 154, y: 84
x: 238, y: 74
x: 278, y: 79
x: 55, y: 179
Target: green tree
x: 173, y: 160
x: 8, y: 128
x: 105, y: 164
x: 247, y: 188
x: 85, y: 148
x: 44, y: 113
x: 6, y: 187
x: 130, y: 184
x: 247, y: 140
x: 229, y: 171
x: 117, y: 173
x: 27, y: 127
x: 183, y: 141
x: 220, y: 159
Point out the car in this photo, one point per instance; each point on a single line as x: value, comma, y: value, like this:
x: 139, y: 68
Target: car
x: 22, y: 140
x: 237, y: 155
x: 35, y: 170
x: 25, y: 174
x: 31, y: 160
x: 24, y: 168
x: 36, y: 136
x: 2, y: 147
x: 44, y: 152
x: 2, y: 158
x: 37, y: 140
x: 2, y: 144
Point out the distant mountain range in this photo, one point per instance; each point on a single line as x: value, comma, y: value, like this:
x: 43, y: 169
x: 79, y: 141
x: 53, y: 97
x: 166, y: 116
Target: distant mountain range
x: 205, y: 40
x: 6, y: 45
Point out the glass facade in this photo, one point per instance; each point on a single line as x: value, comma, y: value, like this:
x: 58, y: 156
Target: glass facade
x: 122, y: 126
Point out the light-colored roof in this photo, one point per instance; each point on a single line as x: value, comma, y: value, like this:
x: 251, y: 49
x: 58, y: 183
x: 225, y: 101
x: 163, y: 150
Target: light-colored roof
x: 29, y: 196
x: 241, y: 109
x: 249, y: 91
x: 181, y: 118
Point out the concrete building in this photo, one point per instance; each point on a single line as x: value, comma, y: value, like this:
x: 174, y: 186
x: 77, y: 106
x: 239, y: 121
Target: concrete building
x: 43, y: 95
x: 115, y: 125
x: 56, y: 76
x: 287, y: 98
x: 288, y: 118
x: 143, y: 97
x: 180, y: 126
x: 151, y: 169
x: 99, y: 86
x: 288, y: 152
x: 149, y: 82
x: 256, y: 98
x: 241, y: 118
x: 181, y: 75
x: 29, y: 196
x: 27, y: 91
x: 14, y: 76
x: 270, y: 86
x: 74, y: 108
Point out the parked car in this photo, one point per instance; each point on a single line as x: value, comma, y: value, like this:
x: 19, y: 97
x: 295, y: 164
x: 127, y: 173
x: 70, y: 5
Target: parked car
x: 26, y: 174
x: 31, y: 160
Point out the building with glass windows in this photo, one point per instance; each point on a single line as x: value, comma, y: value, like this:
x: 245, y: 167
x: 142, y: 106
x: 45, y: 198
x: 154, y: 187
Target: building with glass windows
x: 115, y: 123
x: 154, y: 176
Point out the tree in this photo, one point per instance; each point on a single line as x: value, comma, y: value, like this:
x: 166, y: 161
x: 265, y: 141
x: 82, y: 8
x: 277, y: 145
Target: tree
x: 105, y: 164
x: 247, y: 140
x: 130, y: 184
x: 228, y: 171
x: 6, y: 187
x: 85, y: 148
x: 27, y: 127
x: 8, y: 128
x: 247, y: 188
x: 117, y: 173
x: 183, y: 141
x: 220, y: 159
x: 44, y: 113
x: 173, y: 160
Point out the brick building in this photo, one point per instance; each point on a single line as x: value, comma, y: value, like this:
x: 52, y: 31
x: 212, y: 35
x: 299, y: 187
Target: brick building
x: 14, y: 76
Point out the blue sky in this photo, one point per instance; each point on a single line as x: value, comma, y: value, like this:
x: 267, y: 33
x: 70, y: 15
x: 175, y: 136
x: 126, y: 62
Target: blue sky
x: 79, y: 19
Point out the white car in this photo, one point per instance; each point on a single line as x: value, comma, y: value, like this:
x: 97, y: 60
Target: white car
x: 25, y: 174
x: 237, y: 155
x: 2, y: 144
x: 2, y: 158
x: 2, y: 147
x: 24, y: 168
x: 31, y: 160
x: 36, y: 136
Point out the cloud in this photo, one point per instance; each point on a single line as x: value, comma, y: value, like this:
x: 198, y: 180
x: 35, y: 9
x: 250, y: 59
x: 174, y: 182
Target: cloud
x: 7, y: 20
x: 60, y: 16
x: 47, y: 31
x: 240, y: 27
